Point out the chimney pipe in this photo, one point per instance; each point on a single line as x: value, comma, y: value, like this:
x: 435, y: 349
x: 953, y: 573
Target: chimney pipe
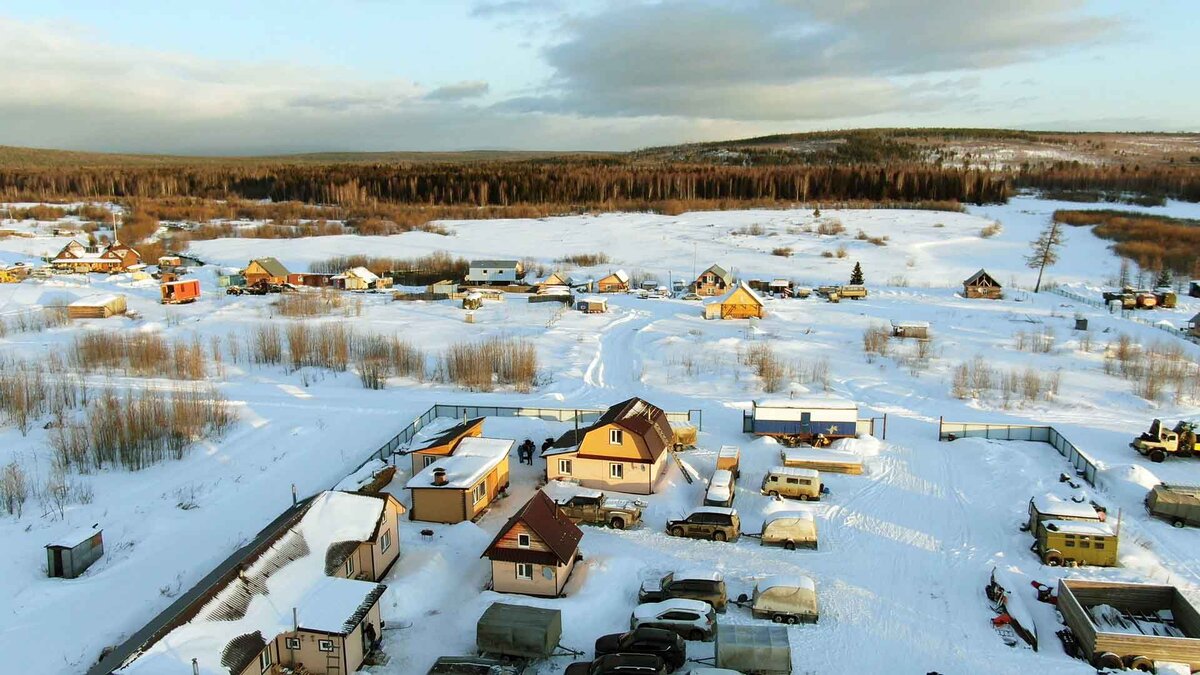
x: 439, y: 476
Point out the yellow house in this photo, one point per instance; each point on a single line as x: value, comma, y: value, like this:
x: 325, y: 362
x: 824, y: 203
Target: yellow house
x: 443, y: 444
x: 269, y: 270
x: 535, y: 552
x: 617, y: 282
x: 306, y: 599
x: 625, y: 450
x: 462, y: 485
x: 739, y: 303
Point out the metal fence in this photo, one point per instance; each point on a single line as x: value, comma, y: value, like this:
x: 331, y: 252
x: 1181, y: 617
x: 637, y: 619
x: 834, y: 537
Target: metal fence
x: 583, y: 416
x: 1129, y: 315
x: 1085, y: 467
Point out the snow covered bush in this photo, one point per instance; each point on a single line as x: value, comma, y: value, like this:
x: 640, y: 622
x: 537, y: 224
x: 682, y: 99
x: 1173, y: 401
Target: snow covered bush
x: 499, y: 361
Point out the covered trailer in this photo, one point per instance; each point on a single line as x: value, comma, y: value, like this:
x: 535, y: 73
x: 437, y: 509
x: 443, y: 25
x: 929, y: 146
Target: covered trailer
x: 754, y: 650
x: 784, y: 599
x: 793, y: 421
x: 1177, y: 504
x: 518, y: 631
x: 789, y: 529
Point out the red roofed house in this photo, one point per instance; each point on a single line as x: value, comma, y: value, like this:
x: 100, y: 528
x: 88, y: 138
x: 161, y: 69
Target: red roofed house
x: 77, y: 257
x: 625, y: 450
x: 535, y: 551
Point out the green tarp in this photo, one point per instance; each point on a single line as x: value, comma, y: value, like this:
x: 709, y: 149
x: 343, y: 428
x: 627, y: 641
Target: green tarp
x: 517, y: 630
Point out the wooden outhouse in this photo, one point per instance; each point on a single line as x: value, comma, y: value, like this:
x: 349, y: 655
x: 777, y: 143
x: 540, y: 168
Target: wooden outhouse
x: 97, y: 307
x: 269, y: 270
x: 70, y: 556
x: 624, y: 450
x: 180, y: 291
x: 461, y: 486
x: 617, y: 282
x: 592, y: 305
x: 911, y: 329
x: 780, y: 287
x: 739, y: 303
x: 712, y: 282
x: 982, y: 285
x: 535, y: 552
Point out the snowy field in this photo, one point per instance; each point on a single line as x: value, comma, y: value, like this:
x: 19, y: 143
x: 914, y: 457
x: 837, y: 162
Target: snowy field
x: 905, y: 549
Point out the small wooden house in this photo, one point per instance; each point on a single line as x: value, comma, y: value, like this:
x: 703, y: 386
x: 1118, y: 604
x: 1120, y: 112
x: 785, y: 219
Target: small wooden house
x: 443, y: 444
x: 461, y: 486
x: 179, y: 291
x: 495, y: 272
x: 781, y: 288
x: 114, y: 257
x: 739, y: 303
x: 310, y: 279
x: 911, y: 329
x: 982, y: 285
x: 361, y: 279
x: 269, y: 270
x: 712, y: 282
x: 535, y: 552
x: 97, y: 307
x: 592, y: 305
x: 70, y: 556
x: 558, y: 279
x: 624, y: 450
x: 616, y: 282
x: 1193, y: 326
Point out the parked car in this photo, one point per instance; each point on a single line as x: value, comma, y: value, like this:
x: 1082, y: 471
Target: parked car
x: 720, y: 489
x: 689, y: 619
x: 788, y: 481
x: 694, y: 584
x: 620, y: 664
x: 646, y: 640
x: 584, y: 505
x: 471, y: 665
x: 707, y: 522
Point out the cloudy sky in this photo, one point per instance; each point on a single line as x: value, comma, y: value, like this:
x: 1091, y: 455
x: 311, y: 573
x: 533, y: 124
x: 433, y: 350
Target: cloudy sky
x: 268, y: 76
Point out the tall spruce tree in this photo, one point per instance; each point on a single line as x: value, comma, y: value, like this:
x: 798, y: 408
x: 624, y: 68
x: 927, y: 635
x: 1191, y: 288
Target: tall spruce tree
x: 856, y: 275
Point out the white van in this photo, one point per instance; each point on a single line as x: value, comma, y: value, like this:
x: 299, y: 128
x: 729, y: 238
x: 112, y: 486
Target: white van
x: 797, y: 483
x: 720, y: 489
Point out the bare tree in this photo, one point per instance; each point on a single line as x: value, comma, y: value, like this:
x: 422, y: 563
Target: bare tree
x: 1045, y: 251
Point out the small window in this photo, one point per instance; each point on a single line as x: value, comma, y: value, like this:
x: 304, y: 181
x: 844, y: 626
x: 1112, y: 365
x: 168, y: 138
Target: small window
x: 291, y: 643
x: 385, y: 542
x: 325, y: 645
x: 772, y: 479
x: 805, y: 481
x: 523, y: 540
x: 564, y: 467
x: 616, y: 437
x: 1070, y: 543
x: 427, y: 460
x: 1084, y: 543
x: 793, y: 481
x: 350, y: 566
x: 525, y: 571
x: 1099, y: 545
x: 479, y: 493
x: 616, y: 470
x: 264, y: 660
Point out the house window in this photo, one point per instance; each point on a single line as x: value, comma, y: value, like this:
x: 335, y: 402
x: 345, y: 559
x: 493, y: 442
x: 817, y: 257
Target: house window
x: 325, y: 645
x: 616, y: 437
x: 350, y: 566
x: 264, y: 660
x: 523, y: 540
x: 525, y: 571
x: 427, y: 460
x: 479, y: 493
x: 291, y: 643
x: 564, y: 467
x: 385, y: 542
x: 1099, y: 545
x: 616, y: 470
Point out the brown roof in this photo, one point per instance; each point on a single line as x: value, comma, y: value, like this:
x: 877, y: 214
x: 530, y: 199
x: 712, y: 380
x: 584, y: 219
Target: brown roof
x: 242, y: 650
x: 450, y: 434
x: 636, y: 416
x: 981, y: 278
x: 548, y: 522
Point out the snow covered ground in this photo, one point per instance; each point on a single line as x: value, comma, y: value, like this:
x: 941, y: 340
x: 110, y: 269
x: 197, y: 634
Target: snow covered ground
x: 906, y: 548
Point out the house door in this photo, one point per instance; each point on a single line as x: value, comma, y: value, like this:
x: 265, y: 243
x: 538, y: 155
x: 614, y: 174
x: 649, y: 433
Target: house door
x: 805, y: 423
x: 58, y: 566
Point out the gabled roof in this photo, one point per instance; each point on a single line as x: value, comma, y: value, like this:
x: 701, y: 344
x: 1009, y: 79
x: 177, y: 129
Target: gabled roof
x: 548, y: 522
x: 450, y: 434
x: 634, y: 415
x: 741, y: 285
x: 981, y: 278
x: 470, y: 461
x: 362, y: 273
x: 502, y: 264
x: 620, y: 275
x: 271, y: 266
x: 719, y: 272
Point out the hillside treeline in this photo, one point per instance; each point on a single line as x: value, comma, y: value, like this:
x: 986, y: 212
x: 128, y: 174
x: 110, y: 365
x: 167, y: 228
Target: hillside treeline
x: 508, y: 183
x: 1176, y: 182
x: 1153, y: 242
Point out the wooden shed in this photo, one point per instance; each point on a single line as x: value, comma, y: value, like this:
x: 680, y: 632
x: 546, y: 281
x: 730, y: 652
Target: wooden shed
x: 1119, y: 625
x: 180, y: 291
x: 97, y: 307
x: 70, y: 556
x: 739, y: 303
x: 617, y: 282
x: 982, y: 285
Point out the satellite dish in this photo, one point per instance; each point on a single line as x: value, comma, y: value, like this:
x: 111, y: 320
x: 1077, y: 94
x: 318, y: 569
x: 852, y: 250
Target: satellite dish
x: 547, y: 572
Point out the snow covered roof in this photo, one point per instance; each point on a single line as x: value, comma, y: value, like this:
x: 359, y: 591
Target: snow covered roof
x: 787, y: 581
x: 502, y: 264
x: 473, y: 458
x: 474, y: 295
x: 1051, y: 505
x: 561, y: 491
x: 650, y: 610
x: 911, y: 324
x: 97, y: 300
x: 780, y: 282
x: 741, y: 285
x: 820, y: 455
x: 362, y: 273
x: 789, y: 515
x: 822, y: 403
x: 698, y: 575
x: 75, y: 537
x: 723, y: 510
x: 795, y: 471
x: 721, y: 476
x: 621, y: 275
x: 1087, y: 528
x: 289, y: 573
x: 729, y: 451
x: 592, y: 298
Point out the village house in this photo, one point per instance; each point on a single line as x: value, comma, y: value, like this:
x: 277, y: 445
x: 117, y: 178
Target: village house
x: 443, y: 444
x: 361, y: 279
x: 624, y: 450
x: 712, y: 282
x: 495, y: 272
x: 310, y: 279
x: 557, y: 279
x: 269, y: 270
x: 982, y: 285
x: 739, y: 303
x: 780, y: 287
x: 535, y: 552
x: 110, y: 258
x: 307, y: 599
x: 616, y: 282
x: 463, y: 484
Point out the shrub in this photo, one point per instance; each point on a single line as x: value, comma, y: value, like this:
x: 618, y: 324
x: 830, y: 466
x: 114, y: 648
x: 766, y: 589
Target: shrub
x: 481, y: 366
x: 782, y: 251
x: 826, y: 254
x: 308, y: 304
x: 990, y: 231
x: 767, y: 365
x: 875, y: 342
x: 585, y: 259
x: 830, y: 227
x: 378, y: 358
x: 140, y: 354
x: 14, y: 488
x: 841, y: 252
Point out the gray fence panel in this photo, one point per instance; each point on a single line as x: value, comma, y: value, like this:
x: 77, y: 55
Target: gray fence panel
x: 1083, y: 464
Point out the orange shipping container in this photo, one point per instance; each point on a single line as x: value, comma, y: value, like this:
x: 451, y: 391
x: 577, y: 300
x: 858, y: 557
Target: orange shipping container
x: 181, y: 291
